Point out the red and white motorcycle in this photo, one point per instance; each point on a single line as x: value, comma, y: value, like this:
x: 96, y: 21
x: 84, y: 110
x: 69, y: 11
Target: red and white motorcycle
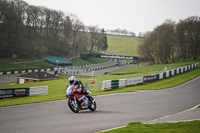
x: 78, y: 101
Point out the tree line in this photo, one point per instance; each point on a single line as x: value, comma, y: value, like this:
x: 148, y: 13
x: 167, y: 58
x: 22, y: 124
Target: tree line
x: 27, y: 31
x: 172, y: 42
x: 119, y: 31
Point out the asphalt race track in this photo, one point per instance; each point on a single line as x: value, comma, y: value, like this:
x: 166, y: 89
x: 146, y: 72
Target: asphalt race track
x: 112, y: 111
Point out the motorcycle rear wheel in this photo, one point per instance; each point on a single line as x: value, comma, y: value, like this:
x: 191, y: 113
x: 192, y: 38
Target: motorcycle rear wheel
x: 73, y: 105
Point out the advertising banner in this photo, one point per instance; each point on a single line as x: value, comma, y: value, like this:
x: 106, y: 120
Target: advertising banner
x: 21, y: 92
x: 148, y: 78
x: 85, y: 56
x: 133, y: 81
x: 11, y: 93
x: 92, y: 81
x: 6, y: 93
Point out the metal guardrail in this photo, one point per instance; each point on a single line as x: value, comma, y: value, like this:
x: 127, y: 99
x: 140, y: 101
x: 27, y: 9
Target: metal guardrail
x: 86, y: 68
x: 26, y: 71
x: 112, y: 84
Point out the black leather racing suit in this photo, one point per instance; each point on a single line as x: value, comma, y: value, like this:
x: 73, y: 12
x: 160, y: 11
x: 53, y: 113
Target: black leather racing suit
x: 79, y: 84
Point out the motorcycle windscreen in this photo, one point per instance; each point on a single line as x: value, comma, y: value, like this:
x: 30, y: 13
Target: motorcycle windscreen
x: 69, y: 92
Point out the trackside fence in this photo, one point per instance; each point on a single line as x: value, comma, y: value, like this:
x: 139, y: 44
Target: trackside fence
x: 113, y: 84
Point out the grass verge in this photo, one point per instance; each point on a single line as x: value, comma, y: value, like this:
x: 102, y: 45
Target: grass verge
x: 180, y: 127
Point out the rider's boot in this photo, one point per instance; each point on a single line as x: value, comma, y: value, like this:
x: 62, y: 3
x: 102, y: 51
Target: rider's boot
x: 89, y: 96
x: 90, y: 99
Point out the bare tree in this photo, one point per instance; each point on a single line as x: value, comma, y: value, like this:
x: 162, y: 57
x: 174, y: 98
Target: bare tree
x: 77, y: 26
x: 170, y: 41
x: 93, y: 37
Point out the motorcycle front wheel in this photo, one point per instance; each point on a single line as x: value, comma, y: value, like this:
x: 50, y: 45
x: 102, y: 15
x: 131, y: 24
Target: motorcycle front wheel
x: 93, y: 106
x: 73, y: 105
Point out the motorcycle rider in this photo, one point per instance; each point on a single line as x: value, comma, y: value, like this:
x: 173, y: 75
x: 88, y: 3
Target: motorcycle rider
x: 80, y: 86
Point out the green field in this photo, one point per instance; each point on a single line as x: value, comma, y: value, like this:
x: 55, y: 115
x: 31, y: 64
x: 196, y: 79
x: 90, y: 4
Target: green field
x: 180, y: 127
x: 123, y: 45
x: 80, y: 62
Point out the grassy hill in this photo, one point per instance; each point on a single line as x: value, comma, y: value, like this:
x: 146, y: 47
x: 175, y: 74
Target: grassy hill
x: 123, y: 45
x: 39, y: 63
x: 119, y: 45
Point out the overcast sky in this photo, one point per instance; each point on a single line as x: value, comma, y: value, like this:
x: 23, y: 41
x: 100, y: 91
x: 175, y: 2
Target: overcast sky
x: 132, y: 15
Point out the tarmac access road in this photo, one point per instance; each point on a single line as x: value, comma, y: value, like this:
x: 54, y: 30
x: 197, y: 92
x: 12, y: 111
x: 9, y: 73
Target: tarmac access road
x: 7, y: 79
x: 112, y: 111
x: 116, y: 68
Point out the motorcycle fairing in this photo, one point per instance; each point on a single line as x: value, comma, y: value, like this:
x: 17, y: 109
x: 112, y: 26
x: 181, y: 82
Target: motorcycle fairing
x: 69, y: 92
x: 83, y: 100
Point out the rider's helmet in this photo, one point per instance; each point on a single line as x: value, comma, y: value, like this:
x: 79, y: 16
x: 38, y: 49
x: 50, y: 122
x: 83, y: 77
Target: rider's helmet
x: 72, y: 79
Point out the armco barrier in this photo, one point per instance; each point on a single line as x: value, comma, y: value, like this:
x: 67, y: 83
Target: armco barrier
x: 87, y: 68
x: 25, y: 71
x: 112, y: 84
x: 175, y: 72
